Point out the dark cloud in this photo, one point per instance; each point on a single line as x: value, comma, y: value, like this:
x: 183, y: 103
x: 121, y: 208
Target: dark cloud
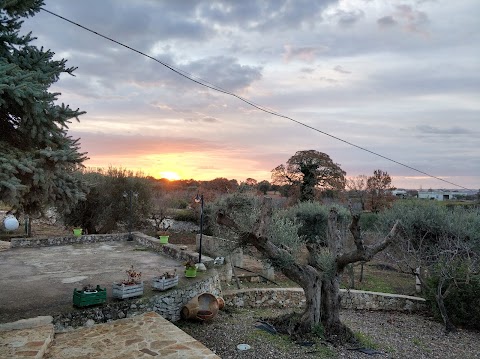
x: 264, y: 16
x: 386, y: 21
x: 348, y: 18
x: 307, y: 70
x: 225, y: 72
x: 455, y: 130
x: 413, y: 19
x: 410, y: 19
x: 340, y: 69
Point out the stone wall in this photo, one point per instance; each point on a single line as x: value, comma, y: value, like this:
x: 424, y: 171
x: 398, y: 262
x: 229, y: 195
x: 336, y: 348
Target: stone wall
x: 168, y: 304
x: 60, y: 241
x: 171, y: 250
x: 294, y: 297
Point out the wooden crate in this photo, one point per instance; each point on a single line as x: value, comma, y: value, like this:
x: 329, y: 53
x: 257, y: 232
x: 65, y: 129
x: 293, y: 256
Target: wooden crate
x: 162, y: 283
x: 85, y: 299
x: 123, y: 291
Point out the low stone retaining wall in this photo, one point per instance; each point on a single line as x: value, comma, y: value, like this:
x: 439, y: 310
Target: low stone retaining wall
x: 60, y: 241
x: 168, y: 304
x: 171, y: 250
x: 294, y: 297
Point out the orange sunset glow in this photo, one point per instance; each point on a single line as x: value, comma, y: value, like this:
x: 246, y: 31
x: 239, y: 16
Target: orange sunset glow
x: 171, y: 176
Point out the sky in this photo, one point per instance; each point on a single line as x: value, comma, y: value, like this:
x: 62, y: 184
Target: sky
x: 400, y: 78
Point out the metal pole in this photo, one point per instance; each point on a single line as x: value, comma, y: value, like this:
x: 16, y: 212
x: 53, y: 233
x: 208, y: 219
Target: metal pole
x: 201, y: 229
x: 130, y: 194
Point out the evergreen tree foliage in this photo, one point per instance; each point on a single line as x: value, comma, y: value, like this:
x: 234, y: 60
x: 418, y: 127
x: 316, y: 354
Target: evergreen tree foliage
x: 38, y: 160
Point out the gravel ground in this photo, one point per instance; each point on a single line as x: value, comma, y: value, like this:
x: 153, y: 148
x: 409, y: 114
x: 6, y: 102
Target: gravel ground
x: 395, y: 335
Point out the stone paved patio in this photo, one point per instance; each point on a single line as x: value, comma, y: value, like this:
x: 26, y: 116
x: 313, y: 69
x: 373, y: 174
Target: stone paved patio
x: 144, y: 336
x: 40, y: 281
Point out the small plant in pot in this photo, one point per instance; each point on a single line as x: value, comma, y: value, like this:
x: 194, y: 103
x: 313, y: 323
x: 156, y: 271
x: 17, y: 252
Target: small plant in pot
x: 132, y: 286
x: 165, y: 281
x: 163, y: 234
x: 190, y: 269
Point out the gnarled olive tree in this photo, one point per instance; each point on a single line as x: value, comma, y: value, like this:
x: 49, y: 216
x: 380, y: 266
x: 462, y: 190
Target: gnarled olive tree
x: 308, y: 244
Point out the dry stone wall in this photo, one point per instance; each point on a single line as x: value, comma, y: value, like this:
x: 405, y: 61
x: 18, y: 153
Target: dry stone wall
x: 60, y: 241
x: 294, y: 297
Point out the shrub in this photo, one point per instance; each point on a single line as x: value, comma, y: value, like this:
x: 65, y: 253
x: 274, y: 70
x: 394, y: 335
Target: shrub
x: 368, y: 221
x: 185, y: 215
x: 462, y: 301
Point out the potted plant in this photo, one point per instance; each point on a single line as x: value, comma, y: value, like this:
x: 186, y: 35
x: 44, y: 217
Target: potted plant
x: 89, y: 295
x: 190, y: 269
x: 163, y: 234
x: 77, y: 231
x: 165, y: 281
x: 132, y: 286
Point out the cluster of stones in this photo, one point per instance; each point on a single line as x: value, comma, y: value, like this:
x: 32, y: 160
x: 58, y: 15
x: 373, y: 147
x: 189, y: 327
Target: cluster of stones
x: 294, y: 297
x: 261, y: 298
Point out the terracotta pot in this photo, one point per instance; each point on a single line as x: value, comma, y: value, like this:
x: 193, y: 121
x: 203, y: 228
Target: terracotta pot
x: 202, y: 307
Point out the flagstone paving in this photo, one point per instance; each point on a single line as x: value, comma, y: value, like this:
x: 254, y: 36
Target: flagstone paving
x: 26, y: 342
x: 144, y: 336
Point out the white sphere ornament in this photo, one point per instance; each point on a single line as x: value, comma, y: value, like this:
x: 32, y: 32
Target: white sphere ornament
x: 10, y: 223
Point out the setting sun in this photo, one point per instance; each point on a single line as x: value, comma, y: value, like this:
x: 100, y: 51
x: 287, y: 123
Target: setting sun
x: 171, y: 176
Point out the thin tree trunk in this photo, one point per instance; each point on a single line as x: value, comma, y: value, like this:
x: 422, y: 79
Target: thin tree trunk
x: 361, y: 272
x: 351, y: 274
x: 439, y: 297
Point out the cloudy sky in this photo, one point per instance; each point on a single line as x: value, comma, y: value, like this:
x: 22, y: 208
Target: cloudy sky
x: 401, y: 78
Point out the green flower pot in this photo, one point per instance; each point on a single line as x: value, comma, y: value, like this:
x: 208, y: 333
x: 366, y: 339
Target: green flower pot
x: 191, y: 272
x: 164, y: 239
x: 77, y: 232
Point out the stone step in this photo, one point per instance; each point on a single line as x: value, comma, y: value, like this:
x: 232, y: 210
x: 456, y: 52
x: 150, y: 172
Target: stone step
x: 26, y: 338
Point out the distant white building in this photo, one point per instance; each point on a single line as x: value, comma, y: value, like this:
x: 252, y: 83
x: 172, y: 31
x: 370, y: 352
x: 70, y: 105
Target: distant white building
x: 441, y: 195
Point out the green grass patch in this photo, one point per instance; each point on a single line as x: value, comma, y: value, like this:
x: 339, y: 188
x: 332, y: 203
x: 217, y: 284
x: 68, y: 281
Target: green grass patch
x: 285, y: 343
x: 419, y: 343
x: 279, y: 340
x: 375, y: 283
x: 365, y: 341
x: 379, y: 279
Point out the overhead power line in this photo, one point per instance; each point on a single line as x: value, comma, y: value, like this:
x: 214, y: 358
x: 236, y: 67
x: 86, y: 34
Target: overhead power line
x: 211, y: 86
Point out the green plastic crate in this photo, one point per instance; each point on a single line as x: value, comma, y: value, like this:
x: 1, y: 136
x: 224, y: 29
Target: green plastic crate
x: 82, y: 299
